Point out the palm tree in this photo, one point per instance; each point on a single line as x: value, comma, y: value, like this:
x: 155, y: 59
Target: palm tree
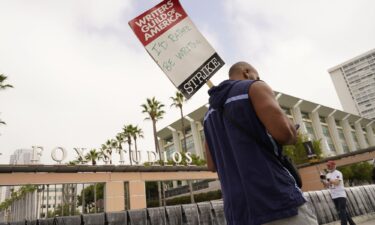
x: 120, y: 139
x: 109, y: 146
x: 3, y: 87
x: 72, y: 163
x: 92, y: 156
x: 178, y: 101
x: 81, y: 160
x: 129, y: 132
x: 2, y: 80
x: 113, y: 145
x: 155, y: 112
x: 102, y: 153
x: 138, y: 133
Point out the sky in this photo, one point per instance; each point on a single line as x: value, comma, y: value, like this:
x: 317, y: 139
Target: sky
x: 80, y: 74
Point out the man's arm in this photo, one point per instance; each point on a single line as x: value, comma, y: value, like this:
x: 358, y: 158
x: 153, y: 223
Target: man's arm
x: 335, y: 182
x: 210, y: 163
x: 271, y: 115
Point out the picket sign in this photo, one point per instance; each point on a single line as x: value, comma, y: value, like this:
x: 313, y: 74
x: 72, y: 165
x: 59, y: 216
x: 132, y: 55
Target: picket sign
x: 176, y: 45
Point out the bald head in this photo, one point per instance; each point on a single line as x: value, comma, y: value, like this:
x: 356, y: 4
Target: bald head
x: 243, y: 71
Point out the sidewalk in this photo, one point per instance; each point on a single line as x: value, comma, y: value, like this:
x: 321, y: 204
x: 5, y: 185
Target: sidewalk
x: 372, y: 222
x: 368, y: 219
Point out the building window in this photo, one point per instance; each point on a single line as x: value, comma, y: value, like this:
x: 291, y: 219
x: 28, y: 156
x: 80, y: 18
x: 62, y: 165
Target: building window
x: 310, y: 129
x: 305, y: 115
x: 189, y: 144
x: 328, y: 138
x: 187, y: 130
x: 169, y: 150
x: 342, y: 140
x: 286, y: 111
x: 168, y: 140
x: 366, y: 138
x: 355, y: 140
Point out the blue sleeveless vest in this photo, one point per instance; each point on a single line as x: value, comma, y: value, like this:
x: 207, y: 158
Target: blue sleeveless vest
x: 256, y: 189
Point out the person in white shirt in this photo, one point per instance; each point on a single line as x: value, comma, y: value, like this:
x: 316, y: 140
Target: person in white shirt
x: 334, y: 181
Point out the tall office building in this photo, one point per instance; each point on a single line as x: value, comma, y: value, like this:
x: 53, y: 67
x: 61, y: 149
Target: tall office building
x: 338, y: 131
x: 21, y: 156
x: 354, y: 81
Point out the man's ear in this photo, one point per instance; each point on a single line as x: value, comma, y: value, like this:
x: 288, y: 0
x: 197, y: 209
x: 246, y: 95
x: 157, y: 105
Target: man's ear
x: 246, y: 74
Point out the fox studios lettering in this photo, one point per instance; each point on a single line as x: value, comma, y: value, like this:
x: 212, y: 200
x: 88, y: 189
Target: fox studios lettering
x: 201, y: 76
x: 59, y: 154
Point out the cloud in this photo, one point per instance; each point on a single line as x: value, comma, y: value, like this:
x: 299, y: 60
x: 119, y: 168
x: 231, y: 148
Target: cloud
x: 294, y: 44
x: 79, y: 75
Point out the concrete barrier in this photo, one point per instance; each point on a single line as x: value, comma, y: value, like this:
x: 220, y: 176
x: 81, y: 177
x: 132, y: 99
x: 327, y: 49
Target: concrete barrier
x: 361, y: 206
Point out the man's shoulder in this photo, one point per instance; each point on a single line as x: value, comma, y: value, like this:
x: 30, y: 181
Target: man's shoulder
x: 260, y: 86
x: 336, y: 174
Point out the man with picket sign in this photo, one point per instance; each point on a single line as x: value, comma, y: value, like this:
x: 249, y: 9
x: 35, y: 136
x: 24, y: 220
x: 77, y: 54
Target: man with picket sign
x: 244, y: 130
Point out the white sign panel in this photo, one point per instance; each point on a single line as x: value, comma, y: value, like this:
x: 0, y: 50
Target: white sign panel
x: 177, y: 46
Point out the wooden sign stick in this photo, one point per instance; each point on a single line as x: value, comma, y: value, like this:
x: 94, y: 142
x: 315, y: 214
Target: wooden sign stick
x: 210, y: 84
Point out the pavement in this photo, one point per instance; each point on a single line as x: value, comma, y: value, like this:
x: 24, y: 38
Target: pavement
x: 372, y: 222
x: 368, y: 219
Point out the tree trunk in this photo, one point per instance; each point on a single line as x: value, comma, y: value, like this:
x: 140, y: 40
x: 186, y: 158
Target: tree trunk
x: 184, y: 149
x: 156, y: 141
x: 130, y: 151
x: 136, y: 149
